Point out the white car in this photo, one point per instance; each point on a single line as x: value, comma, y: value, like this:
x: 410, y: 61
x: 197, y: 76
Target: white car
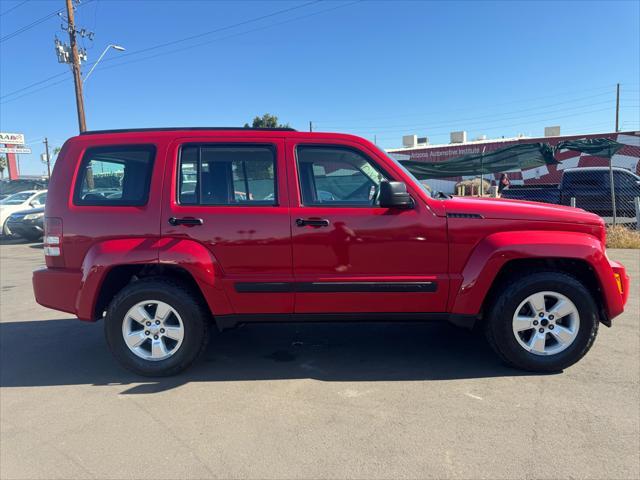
x: 25, y: 200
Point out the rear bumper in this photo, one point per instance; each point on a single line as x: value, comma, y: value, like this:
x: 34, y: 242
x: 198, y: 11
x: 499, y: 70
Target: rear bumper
x: 57, y: 288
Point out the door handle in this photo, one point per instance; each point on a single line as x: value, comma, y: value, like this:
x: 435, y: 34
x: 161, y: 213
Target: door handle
x: 312, y: 222
x: 185, y: 221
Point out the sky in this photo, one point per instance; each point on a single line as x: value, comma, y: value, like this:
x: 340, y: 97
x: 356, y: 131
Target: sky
x: 379, y: 69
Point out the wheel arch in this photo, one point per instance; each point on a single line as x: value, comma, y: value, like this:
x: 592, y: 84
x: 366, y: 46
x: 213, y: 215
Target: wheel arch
x: 111, y: 265
x: 500, y: 256
x: 579, y: 269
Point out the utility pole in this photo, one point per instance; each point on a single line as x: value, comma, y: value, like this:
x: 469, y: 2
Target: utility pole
x: 617, y: 107
x: 75, y: 65
x: 612, y: 186
x: 46, y: 152
x: 310, y: 126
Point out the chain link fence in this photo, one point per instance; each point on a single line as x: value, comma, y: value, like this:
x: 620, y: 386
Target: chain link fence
x: 613, y: 193
x: 610, y: 192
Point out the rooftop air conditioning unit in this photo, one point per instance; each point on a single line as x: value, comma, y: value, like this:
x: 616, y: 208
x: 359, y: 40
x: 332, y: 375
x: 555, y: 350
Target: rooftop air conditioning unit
x: 552, y: 131
x: 458, y: 137
x: 409, y: 141
x: 423, y: 140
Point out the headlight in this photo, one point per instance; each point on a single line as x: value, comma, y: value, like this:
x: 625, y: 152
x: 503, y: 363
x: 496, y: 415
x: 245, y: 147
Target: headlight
x: 34, y: 216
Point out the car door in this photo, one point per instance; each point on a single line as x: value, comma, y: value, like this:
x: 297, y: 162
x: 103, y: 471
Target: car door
x: 349, y: 254
x: 230, y: 195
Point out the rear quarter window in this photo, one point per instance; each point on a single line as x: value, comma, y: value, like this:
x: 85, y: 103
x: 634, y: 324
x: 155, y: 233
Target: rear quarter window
x: 115, y: 176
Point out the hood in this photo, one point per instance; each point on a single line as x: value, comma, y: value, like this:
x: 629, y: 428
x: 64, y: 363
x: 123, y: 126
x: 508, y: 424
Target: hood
x: 498, y: 208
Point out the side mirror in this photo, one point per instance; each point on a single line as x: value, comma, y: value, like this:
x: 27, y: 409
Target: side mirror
x: 33, y: 204
x: 395, y: 195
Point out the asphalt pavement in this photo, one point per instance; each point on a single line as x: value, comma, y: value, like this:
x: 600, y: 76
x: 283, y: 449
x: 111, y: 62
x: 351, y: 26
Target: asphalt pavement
x: 374, y: 401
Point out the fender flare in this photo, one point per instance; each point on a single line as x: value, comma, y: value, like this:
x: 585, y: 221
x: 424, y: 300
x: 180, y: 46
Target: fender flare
x: 202, y: 265
x: 494, y: 251
x: 189, y: 255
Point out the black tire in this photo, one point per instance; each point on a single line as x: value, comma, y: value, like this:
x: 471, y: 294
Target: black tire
x: 499, y: 330
x: 194, y: 314
x: 33, y: 238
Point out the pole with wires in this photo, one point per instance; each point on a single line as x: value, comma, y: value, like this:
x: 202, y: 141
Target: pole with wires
x: 75, y: 65
x: 46, y: 153
x: 611, y: 176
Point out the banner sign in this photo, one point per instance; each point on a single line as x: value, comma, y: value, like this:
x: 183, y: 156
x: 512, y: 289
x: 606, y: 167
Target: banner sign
x: 15, y: 150
x: 12, y: 138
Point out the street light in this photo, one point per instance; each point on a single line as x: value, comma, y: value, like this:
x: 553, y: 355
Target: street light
x: 115, y: 47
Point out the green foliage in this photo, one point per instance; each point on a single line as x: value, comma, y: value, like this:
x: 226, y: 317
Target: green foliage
x: 3, y: 164
x: 266, y: 121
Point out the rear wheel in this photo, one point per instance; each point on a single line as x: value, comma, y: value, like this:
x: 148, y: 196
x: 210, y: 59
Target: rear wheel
x: 156, y: 327
x: 543, y: 322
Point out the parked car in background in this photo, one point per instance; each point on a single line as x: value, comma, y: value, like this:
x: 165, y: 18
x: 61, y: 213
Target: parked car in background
x: 27, y: 224
x: 211, y: 228
x: 9, y: 187
x: 17, y: 202
x: 591, y: 188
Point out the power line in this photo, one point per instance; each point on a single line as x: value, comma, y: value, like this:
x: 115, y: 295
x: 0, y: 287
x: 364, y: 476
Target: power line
x: 220, y: 29
x: 498, y: 118
x: 466, y: 109
x: 414, y: 125
x: 64, y: 80
x: 271, y: 25
x: 37, y: 22
x: 33, y: 85
x: 29, y: 26
x: 136, y: 52
x: 13, y: 8
x: 528, y: 122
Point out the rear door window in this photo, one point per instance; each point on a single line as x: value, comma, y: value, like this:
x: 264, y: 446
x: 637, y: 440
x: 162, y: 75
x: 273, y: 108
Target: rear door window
x: 115, y: 176
x: 227, y: 175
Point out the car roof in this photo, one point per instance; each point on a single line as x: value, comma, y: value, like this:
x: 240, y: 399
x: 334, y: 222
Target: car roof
x: 174, y: 129
x: 150, y: 135
x: 578, y: 169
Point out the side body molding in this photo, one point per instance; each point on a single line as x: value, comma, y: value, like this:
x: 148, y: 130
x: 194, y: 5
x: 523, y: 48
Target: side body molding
x: 494, y: 251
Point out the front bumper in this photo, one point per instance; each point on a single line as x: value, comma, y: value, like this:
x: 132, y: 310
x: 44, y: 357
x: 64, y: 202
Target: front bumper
x: 26, y: 228
x: 614, y: 282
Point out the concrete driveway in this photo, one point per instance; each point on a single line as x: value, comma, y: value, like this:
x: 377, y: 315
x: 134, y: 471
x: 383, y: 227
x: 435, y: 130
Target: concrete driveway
x: 309, y: 401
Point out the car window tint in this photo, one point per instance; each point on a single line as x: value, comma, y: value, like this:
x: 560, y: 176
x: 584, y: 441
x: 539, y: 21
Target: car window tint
x: 40, y: 199
x: 227, y: 175
x: 335, y: 176
x: 587, y: 178
x: 115, y: 176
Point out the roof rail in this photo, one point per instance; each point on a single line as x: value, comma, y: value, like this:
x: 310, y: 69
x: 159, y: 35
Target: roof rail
x: 169, y: 129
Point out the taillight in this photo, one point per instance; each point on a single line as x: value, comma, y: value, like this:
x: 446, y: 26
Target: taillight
x: 53, y: 240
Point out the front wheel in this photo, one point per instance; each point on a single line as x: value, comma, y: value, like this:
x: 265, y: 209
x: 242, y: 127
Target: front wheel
x: 5, y: 229
x: 156, y: 327
x: 543, y: 322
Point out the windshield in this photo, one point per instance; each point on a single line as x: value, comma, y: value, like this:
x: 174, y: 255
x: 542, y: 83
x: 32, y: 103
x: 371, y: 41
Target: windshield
x: 16, y: 198
x: 405, y: 170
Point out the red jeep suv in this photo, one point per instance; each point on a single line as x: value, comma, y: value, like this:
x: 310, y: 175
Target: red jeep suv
x: 163, y: 233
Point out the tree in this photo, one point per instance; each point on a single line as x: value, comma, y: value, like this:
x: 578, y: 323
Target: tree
x: 266, y: 121
x: 3, y: 164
